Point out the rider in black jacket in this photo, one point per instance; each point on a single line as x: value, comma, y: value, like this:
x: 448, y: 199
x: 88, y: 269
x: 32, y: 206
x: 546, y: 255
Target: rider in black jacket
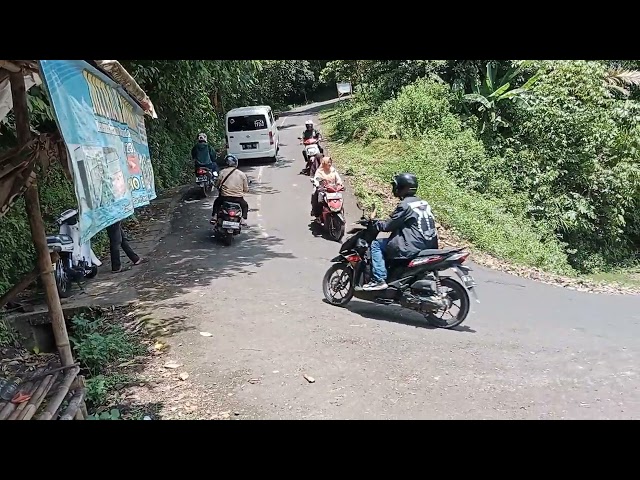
x: 413, y: 228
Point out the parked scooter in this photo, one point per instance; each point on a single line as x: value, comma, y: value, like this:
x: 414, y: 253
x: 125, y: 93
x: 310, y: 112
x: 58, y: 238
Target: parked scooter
x: 206, y: 179
x: 332, y: 218
x: 75, y: 261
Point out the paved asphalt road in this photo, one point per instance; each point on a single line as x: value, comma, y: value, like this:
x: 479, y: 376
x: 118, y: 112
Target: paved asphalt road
x: 528, y: 350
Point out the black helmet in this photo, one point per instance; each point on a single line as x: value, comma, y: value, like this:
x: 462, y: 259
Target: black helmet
x: 402, y: 181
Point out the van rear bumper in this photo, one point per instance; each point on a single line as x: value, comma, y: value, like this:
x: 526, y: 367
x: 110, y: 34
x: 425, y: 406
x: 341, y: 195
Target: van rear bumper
x: 249, y: 154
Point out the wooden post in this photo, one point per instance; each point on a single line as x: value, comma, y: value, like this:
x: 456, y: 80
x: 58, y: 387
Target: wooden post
x: 32, y: 202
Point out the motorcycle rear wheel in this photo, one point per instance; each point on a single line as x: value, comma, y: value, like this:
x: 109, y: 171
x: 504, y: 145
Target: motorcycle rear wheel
x: 227, y: 239
x: 344, y: 279
x: 93, y: 272
x: 457, y: 292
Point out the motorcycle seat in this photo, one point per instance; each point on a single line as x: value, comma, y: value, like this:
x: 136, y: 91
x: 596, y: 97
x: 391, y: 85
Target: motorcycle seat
x: 231, y: 206
x: 63, y: 239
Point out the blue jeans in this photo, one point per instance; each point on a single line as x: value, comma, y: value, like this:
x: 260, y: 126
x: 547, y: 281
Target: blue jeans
x: 378, y: 267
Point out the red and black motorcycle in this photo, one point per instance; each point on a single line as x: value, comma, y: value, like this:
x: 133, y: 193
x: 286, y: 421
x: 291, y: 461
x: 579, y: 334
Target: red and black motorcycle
x: 332, y: 217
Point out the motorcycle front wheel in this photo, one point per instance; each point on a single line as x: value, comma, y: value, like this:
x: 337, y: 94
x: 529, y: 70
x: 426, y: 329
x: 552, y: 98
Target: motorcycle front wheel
x: 336, y: 228
x: 63, y: 282
x: 458, y: 299
x: 339, y: 278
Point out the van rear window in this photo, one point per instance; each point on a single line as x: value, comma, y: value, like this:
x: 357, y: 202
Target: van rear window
x: 246, y: 123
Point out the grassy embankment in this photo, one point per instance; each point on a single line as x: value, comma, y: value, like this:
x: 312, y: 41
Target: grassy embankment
x: 487, y: 226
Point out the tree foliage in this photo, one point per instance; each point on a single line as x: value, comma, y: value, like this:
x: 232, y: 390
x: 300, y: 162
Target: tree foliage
x: 190, y: 96
x: 568, y: 161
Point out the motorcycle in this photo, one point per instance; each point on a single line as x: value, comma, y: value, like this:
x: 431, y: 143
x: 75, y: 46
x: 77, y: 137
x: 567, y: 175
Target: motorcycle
x: 311, y: 149
x: 75, y: 261
x: 206, y: 180
x: 332, y: 218
x: 228, y: 222
x: 416, y: 283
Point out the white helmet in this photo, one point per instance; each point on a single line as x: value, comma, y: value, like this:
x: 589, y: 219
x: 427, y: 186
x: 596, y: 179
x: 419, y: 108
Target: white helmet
x: 202, y: 137
x: 308, y: 123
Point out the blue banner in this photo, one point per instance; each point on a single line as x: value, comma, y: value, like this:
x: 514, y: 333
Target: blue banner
x: 107, y: 143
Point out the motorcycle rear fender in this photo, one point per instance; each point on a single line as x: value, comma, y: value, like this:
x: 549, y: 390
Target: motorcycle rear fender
x: 339, y: 259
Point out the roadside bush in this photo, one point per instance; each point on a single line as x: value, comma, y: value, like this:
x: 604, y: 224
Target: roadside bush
x: 579, y: 145
x: 496, y: 226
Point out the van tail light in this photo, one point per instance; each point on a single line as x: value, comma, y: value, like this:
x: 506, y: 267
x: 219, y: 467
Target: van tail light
x: 271, y: 138
x: 226, y: 142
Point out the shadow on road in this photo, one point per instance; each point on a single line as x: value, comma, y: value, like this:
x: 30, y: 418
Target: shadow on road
x: 394, y: 314
x: 190, y: 260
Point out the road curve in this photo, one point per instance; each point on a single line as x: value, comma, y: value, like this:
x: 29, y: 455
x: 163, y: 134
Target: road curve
x: 528, y: 351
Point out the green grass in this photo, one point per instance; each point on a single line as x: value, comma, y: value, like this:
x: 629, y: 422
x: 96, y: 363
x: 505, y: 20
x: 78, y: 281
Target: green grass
x: 482, y: 221
x: 101, y: 346
x: 630, y: 277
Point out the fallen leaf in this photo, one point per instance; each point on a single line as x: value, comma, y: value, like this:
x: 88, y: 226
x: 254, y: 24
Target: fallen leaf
x: 309, y: 378
x: 206, y: 334
x: 183, y: 376
x: 253, y: 381
x: 159, y: 346
x: 172, y: 365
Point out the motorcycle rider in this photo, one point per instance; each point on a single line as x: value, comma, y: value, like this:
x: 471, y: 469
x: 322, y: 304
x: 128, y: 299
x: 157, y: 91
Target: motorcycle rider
x: 232, y: 184
x: 203, y: 155
x: 413, y: 228
x: 310, y: 132
x: 326, y: 172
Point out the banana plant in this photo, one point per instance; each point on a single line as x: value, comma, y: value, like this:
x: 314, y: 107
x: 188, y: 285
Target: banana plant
x: 490, y: 94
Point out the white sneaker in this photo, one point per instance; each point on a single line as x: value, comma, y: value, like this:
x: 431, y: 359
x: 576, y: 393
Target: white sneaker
x: 375, y: 285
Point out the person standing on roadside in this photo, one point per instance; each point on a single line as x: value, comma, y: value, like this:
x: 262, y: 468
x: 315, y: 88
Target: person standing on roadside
x: 117, y: 240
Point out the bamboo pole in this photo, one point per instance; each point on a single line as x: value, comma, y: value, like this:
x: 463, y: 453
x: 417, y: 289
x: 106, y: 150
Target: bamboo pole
x: 21, y: 406
x: 9, y: 409
x: 74, y: 406
x: 32, y: 203
x: 38, y: 397
x: 59, y: 396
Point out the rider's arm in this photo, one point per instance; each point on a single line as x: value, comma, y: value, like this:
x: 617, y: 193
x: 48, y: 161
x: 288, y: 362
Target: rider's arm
x: 245, y: 184
x: 395, y: 221
x: 338, y: 179
x: 214, y: 158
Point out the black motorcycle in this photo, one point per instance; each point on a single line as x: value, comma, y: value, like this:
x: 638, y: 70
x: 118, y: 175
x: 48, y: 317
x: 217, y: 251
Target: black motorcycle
x: 414, y: 283
x: 228, y: 223
x: 206, y: 179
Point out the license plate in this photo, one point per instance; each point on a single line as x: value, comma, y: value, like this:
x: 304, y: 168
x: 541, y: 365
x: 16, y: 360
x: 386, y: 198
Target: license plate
x: 312, y: 150
x: 231, y: 225
x: 201, y: 179
x: 249, y: 146
x: 468, y: 281
x: 333, y: 196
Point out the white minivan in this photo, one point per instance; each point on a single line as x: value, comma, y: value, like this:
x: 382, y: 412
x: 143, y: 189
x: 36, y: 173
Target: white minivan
x: 251, y: 132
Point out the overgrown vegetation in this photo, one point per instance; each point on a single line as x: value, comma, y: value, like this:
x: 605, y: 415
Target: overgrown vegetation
x: 8, y: 336
x: 190, y: 96
x: 102, y: 346
x: 534, y: 162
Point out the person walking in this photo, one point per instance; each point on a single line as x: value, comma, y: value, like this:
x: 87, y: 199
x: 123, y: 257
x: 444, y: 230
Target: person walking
x: 117, y: 240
